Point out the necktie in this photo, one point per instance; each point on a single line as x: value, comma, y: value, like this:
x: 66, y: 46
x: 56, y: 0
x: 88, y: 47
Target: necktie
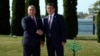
x: 34, y: 21
x: 50, y: 18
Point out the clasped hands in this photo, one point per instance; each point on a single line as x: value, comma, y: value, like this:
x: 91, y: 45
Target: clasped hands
x: 39, y: 32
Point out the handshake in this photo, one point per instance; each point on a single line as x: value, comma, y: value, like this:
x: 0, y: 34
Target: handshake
x: 39, y: 32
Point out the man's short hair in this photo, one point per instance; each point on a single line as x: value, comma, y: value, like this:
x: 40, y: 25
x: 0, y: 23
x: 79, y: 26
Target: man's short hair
x: 51, y: 4
x: 32, y: 6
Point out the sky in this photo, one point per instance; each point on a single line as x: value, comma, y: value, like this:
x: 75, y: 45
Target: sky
x: 82, y: 6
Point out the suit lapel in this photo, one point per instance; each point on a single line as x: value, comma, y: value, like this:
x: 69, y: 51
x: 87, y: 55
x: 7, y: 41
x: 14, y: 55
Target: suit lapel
x: 37, y: 22
x: 53, y: 21
x: 47, y: 21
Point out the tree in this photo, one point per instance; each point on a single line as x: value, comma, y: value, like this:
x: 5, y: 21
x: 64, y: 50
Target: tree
x: 98, y: 26
x: 96, y: 5
x: 52, y: 1
x: 70, y: 16
x: 4, y: 17
x: 18, y: 11
x: 35, y: 3
x: 95, y: 8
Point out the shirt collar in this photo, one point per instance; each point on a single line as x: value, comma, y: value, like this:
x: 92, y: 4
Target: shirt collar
x: 52, y: 14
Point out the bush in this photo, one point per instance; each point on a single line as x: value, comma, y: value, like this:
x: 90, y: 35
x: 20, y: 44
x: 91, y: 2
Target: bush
x: 70, y: 15
x: 98, y: 26
x: 18, y: 11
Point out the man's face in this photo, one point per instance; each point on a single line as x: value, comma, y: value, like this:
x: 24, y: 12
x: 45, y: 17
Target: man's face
x: 50, y: 9
x: 31, y: 11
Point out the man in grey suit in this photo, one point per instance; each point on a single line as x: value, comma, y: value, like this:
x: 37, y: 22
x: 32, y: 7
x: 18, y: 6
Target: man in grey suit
x: 33, y: 34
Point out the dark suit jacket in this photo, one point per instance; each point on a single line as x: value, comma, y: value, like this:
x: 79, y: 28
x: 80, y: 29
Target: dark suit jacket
x: 29, y: 27
x: 57, y: 31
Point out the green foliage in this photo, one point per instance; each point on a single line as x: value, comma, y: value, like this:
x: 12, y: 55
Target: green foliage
x: 74, y: 46
x: 35, y: 3
x: 98, y: 26
x: 95, y: 7
x: 18, y: 11
x: 4, y: 17
x: 52, y: 1
x: 70, y: 15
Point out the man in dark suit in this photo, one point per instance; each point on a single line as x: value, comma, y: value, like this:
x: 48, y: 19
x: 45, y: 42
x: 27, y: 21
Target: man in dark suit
x: 33, y: 33
x: 55, y: 31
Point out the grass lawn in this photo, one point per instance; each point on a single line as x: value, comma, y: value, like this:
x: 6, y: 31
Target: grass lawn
x: 10, y: 46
